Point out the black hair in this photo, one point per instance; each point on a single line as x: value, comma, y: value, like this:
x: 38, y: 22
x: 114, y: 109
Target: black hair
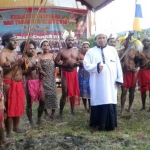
x: 81, y: 18
x: 39, y: 53
x: 43, y: 43
x: 145, y: 39
x: 4, y: 41
x: 69, y: 36
x: 22, y: 45
x: 6, y: 38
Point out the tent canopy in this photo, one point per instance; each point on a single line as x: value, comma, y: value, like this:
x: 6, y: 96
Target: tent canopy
x: 23, y: 3
x: 90, y: 4
x: 95, y: 4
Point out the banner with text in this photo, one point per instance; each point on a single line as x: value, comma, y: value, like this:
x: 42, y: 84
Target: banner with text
x: 46, y: 22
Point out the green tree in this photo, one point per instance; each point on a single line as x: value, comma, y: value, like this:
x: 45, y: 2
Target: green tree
x: 92, y: 42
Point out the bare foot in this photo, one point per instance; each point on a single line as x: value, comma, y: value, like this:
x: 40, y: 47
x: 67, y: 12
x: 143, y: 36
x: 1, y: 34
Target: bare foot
x: 84, y: 111
x: 121, y: 113
x: 9, y: 136
x: 143, y: 108
x: 72, y: 113
x: 47, y: 118
x: 127, y: 116
x: 5, y: 143
x: 60, y: 117
x: 51, y: 118
x: 117, y: 129
x: 39, y: 122
x: 88, y: 111
x: 31, y: 127
x: 93, y: 129
x: 130, y: 110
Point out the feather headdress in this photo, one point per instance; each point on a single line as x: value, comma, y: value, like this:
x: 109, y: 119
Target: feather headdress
x: 137, y: 44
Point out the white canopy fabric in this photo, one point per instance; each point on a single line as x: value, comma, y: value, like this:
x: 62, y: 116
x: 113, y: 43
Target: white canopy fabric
x: 95, y: 4
x: 90, y: 4
x: 4, y: 4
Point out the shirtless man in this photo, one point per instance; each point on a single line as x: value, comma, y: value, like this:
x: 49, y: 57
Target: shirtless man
x: 68, y: 59
x: 13, y: 85
x: 34, y: 89
x: 144, y: 72
x: 130, y: 64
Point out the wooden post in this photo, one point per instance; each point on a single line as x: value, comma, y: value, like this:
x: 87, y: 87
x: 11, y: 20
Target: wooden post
x: 89, y: 30
x: 95, y: 20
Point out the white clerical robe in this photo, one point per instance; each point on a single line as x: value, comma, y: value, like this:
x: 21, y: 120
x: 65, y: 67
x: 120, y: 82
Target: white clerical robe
x: 103, y: 85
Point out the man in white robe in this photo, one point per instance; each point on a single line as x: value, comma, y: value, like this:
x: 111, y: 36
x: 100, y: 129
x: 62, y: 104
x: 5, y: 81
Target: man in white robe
x: 103, y: 64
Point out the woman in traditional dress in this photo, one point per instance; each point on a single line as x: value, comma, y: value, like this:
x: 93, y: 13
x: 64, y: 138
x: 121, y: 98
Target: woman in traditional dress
x: 49, y: 83
x: 84, y: 79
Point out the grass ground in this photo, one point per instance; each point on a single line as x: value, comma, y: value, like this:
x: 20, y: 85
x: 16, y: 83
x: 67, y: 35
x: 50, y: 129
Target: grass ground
x: 72, y: 133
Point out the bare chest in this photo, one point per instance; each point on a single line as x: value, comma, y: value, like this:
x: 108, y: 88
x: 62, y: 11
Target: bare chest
x: 31, y: 62
x: 11, y: 57
x: 147, y: 54
x: 130, y: 56
x: 69, y: 55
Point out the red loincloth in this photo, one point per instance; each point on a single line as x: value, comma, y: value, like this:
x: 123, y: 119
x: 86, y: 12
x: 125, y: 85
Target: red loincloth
x: 16, y: 98
x: 129, y: 79
x: 1, y: 115
x: 34, y: 89
x: 144, y: 80
x: 72, y: 86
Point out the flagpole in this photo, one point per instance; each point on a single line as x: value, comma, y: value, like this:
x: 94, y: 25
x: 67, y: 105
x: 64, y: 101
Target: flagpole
x: 135, y: 31
x: 137, y: 17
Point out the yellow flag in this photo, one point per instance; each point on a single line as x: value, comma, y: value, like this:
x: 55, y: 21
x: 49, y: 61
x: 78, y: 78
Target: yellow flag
x: 138, y: 16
